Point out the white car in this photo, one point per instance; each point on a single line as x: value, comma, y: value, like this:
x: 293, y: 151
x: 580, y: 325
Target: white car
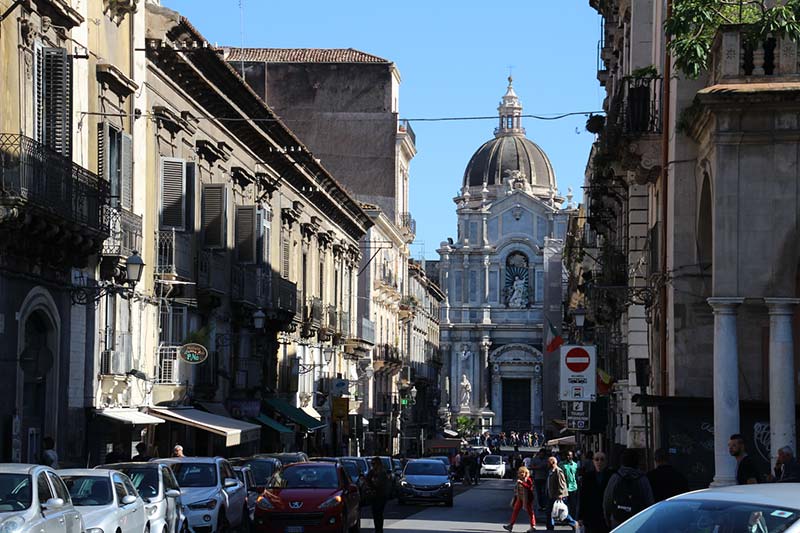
x: 159, y: 489
x: 213, y: 497
x: 33, y: 499
x: 493, y: 465
x: 747, y: 508
x: 107, y: 500
x: 245, y: 475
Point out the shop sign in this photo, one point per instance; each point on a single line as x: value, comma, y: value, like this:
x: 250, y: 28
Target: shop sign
x: 193, y: 353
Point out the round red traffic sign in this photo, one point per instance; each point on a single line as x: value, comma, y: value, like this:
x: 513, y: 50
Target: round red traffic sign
x: 577, y: 359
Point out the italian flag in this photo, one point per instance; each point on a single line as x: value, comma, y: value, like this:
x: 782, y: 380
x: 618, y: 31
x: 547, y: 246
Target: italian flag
x: 555, y: 339
x: 604, y: 382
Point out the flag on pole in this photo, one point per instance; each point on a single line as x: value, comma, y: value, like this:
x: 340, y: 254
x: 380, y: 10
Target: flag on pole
x: 555, y: 339
x: 604, y: 382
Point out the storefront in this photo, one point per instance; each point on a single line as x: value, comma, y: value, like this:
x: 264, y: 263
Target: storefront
x: 204, y: 434
x: 302, y: 420
x: 121, y: 428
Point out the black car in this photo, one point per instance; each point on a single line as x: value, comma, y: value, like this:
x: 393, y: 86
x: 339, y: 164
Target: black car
x: 262, y: 468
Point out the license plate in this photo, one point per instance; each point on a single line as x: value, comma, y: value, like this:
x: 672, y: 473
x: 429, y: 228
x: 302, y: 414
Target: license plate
x: 294, y: 529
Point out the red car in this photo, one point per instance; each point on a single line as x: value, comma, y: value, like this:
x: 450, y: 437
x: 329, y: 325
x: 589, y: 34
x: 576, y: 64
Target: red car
x: 309, y: 498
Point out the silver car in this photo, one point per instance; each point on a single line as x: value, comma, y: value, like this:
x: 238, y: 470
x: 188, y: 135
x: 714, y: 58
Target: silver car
x: 33, y: 499
x: 107, y: 500
x: 746, y: 508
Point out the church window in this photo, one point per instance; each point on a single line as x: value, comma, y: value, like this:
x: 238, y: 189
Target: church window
x: 539, y: 293
x: 510, y: 122
x: 473, y: 285
x: 473, y: 232
x: 493, y: 285
x: 457, y: 286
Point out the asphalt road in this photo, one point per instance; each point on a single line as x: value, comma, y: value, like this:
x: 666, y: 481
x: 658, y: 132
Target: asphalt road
x: 484, y: 508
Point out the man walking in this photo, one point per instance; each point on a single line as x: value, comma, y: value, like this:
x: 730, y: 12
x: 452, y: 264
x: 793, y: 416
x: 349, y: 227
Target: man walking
x: 557, y: 491
x: 664, y: 479
x: 590, y: 495
x: 49, y: 455
x: 539, y: 465
x: 787, y: 468
x: 746, y: 471
x: 628, y: 491
x: 141, y: 455
x: 570, y: 468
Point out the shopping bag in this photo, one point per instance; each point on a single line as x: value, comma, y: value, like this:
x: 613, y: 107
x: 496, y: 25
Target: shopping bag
x: 560, y: 511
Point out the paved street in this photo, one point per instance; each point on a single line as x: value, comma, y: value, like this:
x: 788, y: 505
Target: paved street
x: 477, y: 509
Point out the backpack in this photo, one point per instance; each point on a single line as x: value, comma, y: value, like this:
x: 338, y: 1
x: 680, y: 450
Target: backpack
x: 626, y: 499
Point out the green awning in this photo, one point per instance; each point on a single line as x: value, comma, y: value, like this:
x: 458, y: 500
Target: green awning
x: 272, y: 424
x: 294, y: 414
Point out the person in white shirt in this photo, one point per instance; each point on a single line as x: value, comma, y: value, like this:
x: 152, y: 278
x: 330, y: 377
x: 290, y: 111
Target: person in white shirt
x: 49, y: 455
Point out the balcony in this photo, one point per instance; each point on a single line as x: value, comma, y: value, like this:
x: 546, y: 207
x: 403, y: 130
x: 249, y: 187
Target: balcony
x: 126, y: 233
x: 174, y: 255
x: 344, y: 324
x: 366, y: 331
x: 734, y: 60
x: 211, y: 271
x: 55, y: 203
x: 250, y: 285
x: 407, y: 224
x: 312, y: 316
x: 387, y: 357
x: 404, y: 126
x: 641, y: 109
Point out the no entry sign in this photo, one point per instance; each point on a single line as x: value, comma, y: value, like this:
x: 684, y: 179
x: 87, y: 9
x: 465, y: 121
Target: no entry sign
x: 578, y: 373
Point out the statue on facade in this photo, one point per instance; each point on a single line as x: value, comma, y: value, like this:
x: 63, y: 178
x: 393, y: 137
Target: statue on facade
x: 519, y: 293
x: 465, y: 353
x: 466, y: 390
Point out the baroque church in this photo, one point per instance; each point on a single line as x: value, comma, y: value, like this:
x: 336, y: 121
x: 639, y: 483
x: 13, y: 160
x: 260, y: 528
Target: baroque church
x: 502, y: 279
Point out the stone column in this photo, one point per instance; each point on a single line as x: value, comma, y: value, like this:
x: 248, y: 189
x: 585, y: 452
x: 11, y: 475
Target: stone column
x: 781, y: 375
x: 484, y: 233
x: 497, y: 401
x: 726, y: 387
x: 455, y: 377
x: 483, y: 400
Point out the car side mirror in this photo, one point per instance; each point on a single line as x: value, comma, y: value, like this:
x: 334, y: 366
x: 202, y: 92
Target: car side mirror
x: 128, y: 499
x: 230, y: 482
x: 53, y: 503
x: 173, y: 493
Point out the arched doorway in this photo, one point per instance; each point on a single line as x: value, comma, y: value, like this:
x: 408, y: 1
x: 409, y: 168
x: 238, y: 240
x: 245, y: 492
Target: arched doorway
x: 516, y: 371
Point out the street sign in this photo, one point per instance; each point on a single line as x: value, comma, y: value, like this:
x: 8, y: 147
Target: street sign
x: 340, y: 409
x: 578, y: 373
x: 339, y: 387
x: 578, y: 415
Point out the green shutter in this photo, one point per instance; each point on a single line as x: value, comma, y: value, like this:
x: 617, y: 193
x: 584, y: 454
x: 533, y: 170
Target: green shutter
x: 126, y: 171
x: 172, y: 198
x: 212, y: 215
x: 56, y: 104
x: 246, y: 232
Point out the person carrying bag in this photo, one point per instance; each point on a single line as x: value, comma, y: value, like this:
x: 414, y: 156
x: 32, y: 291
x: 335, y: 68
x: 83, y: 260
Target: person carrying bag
x: 523, y: 498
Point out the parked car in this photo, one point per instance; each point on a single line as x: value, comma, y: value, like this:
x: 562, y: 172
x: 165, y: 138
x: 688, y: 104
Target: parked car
x: 356, y: 476
x: 758, y: 508
x: 245, y: 475
x: 286, y: 457
x: 309, y: 498
x: 362, y: 462
x: 263, y: 468
x: 106, y: 499
x: 393, y: 479
x: 159, y: 489
x: 33, y: 499
x: 444, y: 459
x: 213, y: 497
x: 493, y: 465
x: 426, y: 480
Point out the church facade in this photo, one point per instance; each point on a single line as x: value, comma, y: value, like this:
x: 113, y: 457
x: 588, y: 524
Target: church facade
x: 502, y: 279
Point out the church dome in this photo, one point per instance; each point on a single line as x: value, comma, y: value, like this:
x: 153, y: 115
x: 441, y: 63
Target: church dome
x: 510, y: 151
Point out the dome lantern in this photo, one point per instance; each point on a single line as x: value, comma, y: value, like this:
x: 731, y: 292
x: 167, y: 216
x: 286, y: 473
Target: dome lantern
x: 510, y: 111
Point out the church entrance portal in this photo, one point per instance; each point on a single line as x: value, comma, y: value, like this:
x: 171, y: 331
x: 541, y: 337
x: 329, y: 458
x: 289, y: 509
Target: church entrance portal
x: 517, y: 404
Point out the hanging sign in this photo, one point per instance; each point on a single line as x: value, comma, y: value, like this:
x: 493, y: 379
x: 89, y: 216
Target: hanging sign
x: 193, y: 353
x: 578, y: 373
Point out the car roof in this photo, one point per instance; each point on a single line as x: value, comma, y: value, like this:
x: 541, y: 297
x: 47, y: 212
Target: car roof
x: 18, y: 468
x: 86, y: 472
x: 176, y: 460
x: 131, y: 465
x: 434, y: 461
x: 769, y: 494
x: 313, y: 463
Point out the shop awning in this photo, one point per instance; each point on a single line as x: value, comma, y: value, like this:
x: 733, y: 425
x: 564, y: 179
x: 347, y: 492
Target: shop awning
x: 215, y: 408
x: 450, y: 433
x: 298, y: 416
x: 563, y: 441
x: 310, y: 411
x: 129, y: 416
x: 272, y: 424
x: 234, y: 431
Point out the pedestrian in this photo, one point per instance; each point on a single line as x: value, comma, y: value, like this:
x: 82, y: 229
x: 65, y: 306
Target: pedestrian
x: 590, y: 495
x: 49, y: 454
x: 536, y: 442
x: 142, y: 456
x: 177, y: 451
x: 628, y: 491
x: 570, y: 468
x: 523, y: 499
x: 787, y: 468
x: 116, y: 455
x: 665, y: 480
x: 539, y: 464
x: 746, y: 471
x: 378, y: 487
x: 526, y: 462
x: 557, y: 491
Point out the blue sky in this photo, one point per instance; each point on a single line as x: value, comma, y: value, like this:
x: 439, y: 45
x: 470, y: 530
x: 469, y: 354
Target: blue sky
x: 454, y: 58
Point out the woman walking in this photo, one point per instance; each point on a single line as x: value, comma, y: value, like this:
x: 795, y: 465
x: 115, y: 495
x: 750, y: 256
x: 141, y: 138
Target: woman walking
x: 523, y: 498
x: 378, y: 485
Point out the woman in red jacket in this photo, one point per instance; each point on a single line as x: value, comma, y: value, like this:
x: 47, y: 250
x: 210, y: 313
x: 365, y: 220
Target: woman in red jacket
x: 523, y: 497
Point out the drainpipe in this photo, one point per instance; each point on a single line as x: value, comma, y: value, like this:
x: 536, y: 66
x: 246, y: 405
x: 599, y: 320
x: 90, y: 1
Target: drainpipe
x: 665, y: 204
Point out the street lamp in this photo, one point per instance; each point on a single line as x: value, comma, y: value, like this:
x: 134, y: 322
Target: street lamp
x: 259, y: 317
x: 122, y: 283
x: 328, y: 354
x: 579, y: 315
x: 414, y: 394
x: 134, y: 266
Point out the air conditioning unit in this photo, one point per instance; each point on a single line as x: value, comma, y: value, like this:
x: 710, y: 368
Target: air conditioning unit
x: 107, y: 362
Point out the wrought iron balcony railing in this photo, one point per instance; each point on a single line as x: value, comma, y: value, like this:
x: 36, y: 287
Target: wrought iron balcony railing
x: 211, y: 271
x: 405, y: 127
x: 250, y: 285
x: 33, y: 174
x: 174, y: 254
x: 408, y: 223
x: 125, y: 233
x: 641, y: 110
x: 367, y: 331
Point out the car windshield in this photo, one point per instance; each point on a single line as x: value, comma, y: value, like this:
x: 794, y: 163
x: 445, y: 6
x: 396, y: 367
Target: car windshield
x: 306, y: 477
x: 262, y: 470
x: 492, y: 460
x: 352, y: 469
x: 89, y: 490
x: 15, y: 492
x: 425, y: 469
x: 690, y: 516
x: 195, y: 474
x: 144, y: 479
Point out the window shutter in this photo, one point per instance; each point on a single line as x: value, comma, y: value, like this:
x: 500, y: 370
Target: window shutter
x: 212, y: 216
x: 39, y: 104
x: 246, y: 233
x: 126, y: 171
x: 285, y: 257
x: 102, y: 150
x: 173, y: 188
x: 57, y: 100
x: 190, y: 202
x: 263, y: 237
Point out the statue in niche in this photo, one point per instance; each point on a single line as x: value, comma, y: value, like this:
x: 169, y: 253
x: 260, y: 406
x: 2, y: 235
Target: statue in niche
x: 466, y: 391
x: 465, y: 353
x: 519, y: 294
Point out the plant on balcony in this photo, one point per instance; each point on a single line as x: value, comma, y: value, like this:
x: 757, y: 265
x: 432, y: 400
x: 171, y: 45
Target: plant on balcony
x: 694, y: 23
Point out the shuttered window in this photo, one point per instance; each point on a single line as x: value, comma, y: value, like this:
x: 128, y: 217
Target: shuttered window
x: 172, y: 194
x: 285, y: 257
x: 115, y: 163
x: 246, y: 233
x: 263, y: 235
x: 54, y: 99
x: 126, y: 171
x: 212, y: 215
